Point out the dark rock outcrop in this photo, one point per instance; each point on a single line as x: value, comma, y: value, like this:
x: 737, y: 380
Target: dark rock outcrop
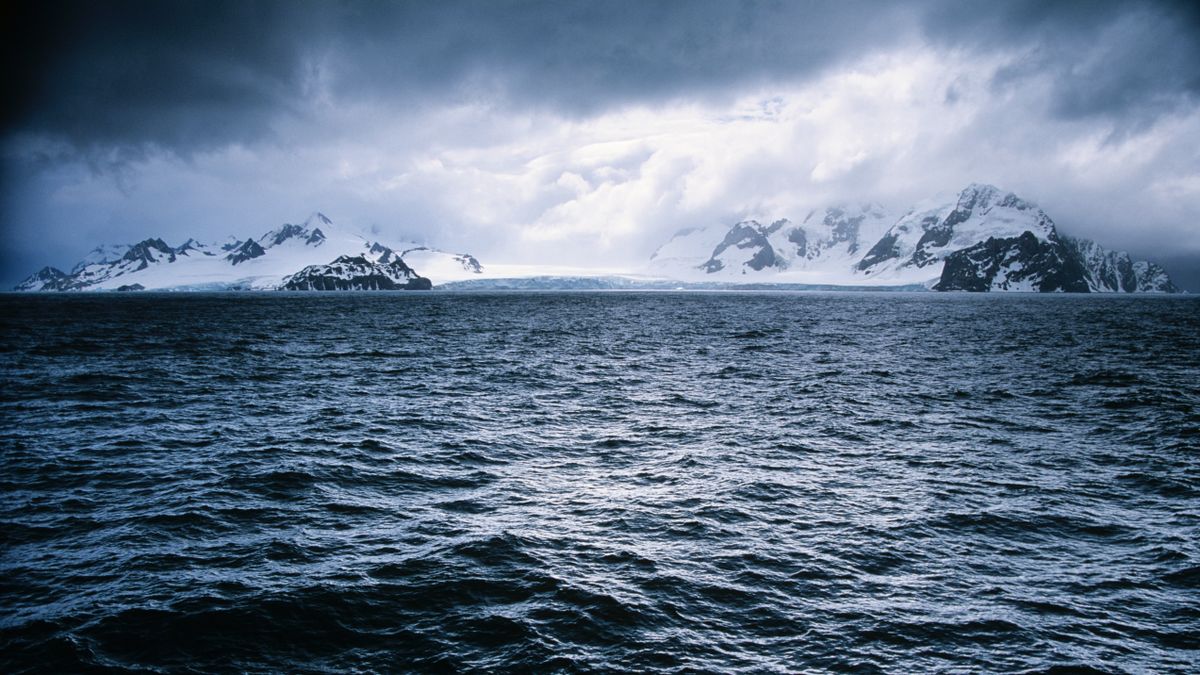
x: 1058, y: 264
x: 357, y: 273
x: 884, y: 249
x: 1016, y: 263
x: 149, y: 251
x: 247, y: 250
x: 287, y: 232
x: 751, y: 236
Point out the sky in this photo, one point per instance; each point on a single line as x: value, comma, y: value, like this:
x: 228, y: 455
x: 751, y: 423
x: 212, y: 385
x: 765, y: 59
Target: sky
x: 587, y: 133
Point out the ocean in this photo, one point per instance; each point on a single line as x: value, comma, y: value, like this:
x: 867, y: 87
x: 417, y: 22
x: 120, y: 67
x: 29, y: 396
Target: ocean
x: 599, y: 481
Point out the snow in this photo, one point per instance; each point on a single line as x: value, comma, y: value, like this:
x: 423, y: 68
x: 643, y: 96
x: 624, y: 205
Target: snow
x: 842, y: 245
x: 105, y: 253
x: 908, y: 251
x: 980, y: 213
x: 440, y: 266
x: 688, y: 249
x: 835, y: 240
x: 288, y: 249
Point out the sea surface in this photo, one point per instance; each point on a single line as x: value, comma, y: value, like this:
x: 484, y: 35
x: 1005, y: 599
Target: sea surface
x: 579, y: 482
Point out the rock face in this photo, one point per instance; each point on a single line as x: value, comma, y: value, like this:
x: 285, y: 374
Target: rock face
x: 247, y: 250
x: 1058, y: 264
x: 46, y: 279
x: 984, y: 240
x: 262, y: 263
x: 749, y: 244
x: 1023, y: 263
x: 357, y: 274
x: 922, y: 238
x: 1115, y: 272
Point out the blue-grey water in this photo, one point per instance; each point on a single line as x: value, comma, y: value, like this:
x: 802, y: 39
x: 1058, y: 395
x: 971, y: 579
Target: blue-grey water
x: 599, y: 481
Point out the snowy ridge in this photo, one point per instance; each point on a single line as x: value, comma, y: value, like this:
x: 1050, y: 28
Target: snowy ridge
x: 1116, y: 272
x: 105, y: 253
x: 986, y: 239
x: 917, y: 245
x: 828, y: 241
x: 264, y: 262
x: 45, y: 279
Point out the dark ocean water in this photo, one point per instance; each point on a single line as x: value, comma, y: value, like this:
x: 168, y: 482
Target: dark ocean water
x: 599, y: 481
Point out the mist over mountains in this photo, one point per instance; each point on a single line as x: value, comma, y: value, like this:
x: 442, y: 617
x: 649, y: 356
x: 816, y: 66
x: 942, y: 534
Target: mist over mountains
x: 985, y: 240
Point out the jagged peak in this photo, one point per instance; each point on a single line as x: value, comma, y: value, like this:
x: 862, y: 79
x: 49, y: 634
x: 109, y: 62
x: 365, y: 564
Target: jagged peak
x: 985, y: 195
x: 47, y: 278
x: 381, y: 252
x: 48, y: 272
x: 310, y: 231
x: 247, y: 250
x: 144, y: 248
x: 277, y: 237
x: 152, y: 242
x: 396, y: 263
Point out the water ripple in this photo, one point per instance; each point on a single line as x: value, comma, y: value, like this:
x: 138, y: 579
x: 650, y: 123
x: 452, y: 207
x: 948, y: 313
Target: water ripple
x: 655, y: 482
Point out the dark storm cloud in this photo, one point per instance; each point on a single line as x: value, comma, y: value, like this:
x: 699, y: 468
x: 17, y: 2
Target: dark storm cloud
x: 1125, y: 61
x: 173, y: 74
x: 189, y: 75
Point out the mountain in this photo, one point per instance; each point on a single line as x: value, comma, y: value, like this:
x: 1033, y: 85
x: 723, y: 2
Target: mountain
x: 1114, y: 271
x: 314, y: 252
x: 984, y: 240
x: 104, y: 253
x: 922, y: 238
x: 46, y: 279
x: 357, y: 273
x: 1022, y: 263
x: 828, y: 239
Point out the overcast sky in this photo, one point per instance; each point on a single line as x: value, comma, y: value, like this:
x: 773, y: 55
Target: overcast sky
x: 587, y: 133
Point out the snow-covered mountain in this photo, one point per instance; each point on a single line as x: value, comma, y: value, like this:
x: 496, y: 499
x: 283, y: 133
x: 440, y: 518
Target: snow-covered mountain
x: 825, y: 240
x: 1114, y: 271
x: 45, y: 279
x: 985, y: 239
x: 264, y: 262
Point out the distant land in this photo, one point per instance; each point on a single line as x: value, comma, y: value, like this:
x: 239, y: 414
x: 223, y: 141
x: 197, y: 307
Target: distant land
x: 987, y: 240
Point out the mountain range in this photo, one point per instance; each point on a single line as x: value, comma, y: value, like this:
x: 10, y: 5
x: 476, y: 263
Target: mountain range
x: 313, y: 255
x: 985, y: 239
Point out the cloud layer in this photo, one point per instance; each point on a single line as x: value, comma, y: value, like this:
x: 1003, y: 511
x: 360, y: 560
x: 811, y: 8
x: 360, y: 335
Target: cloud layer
x: 589, y: 132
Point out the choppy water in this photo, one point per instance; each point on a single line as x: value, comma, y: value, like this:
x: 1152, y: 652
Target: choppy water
x: 595, y: 481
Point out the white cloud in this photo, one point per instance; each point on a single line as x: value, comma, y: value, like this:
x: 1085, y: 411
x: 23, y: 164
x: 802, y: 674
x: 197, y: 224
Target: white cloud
x: 607, y: 189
